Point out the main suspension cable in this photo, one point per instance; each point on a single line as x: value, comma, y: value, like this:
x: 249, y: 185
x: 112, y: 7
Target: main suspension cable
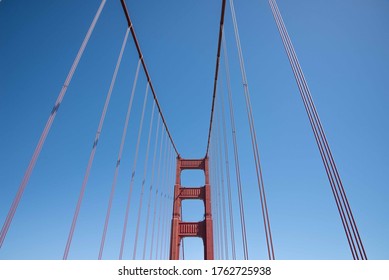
x: 130, y: 25
x: 221, y: 28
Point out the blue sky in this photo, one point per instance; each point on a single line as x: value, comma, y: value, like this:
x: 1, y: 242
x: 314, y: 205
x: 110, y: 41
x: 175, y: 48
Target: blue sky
x: 343, y: 47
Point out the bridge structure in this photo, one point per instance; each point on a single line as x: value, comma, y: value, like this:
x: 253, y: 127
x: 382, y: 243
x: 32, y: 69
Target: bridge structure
x: 161, y: 192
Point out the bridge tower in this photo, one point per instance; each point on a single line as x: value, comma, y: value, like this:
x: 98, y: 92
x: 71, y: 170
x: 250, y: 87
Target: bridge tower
x: 182, y: 229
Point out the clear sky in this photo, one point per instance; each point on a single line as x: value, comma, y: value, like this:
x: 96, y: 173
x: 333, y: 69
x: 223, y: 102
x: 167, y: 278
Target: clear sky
x: 343, y: 47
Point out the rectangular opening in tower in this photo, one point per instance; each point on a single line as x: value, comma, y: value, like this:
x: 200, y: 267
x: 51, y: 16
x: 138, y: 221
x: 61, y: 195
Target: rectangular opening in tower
x: 192, y: 210
x: 192, y: 178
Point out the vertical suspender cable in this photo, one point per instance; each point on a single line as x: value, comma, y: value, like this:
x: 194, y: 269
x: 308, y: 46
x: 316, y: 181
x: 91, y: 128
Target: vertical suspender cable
x: 169, y: 200
x: 223, y: 186
x: 302, y: 89
x: 265, y: 214
x: 162, y: 201
x: 47, y: 128
x: 143, y: 183
x: 218, y: 188
x: 124, y: 133
x: 92, y: 154
x: 231, y: 215
x: 343, y: 206
x: 164, y: 211
x: 212, y: 183
x: 170, y: 205
x: 319, y: 142
x: 242, y: 219
x: 172, y: 182
x: 236, y: 155
x: 325, y: 152
x: 133, y: 174
x: 165, y: 215
x: 156, y: 195
x: 215, y: 202
x: 151, y: 190
x: 161, y: 229
x: 215, y: 195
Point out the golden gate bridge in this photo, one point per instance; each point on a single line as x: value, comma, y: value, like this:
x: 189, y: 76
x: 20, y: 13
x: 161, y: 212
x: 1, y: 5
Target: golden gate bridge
x: 161, y: 192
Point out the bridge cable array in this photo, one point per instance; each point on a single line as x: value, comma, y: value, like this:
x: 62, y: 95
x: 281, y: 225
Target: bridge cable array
x: 265, y: 214
x: 133, y: 174
x: 348, y: 221
x: 47, y: 128
x: 218, y: 143
x: 160, y: 152
x: 215, y: 142
x: 94, y: 147
x: 150, y: 191
x: 114, y: 181
x: 163, y: 145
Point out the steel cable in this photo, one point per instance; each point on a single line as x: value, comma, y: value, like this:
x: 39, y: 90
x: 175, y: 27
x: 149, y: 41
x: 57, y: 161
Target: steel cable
x: 143, y: 182
x: 113, y: 187
x: 265, y: 214
x: 156, y: 195
x: 161, y: 204
x: 136, y: 42
x: 326, y: 154
x: 151, y: 190
x: 93, y: 152
x: 47, y: 128
x: 229, y: 192
x: 236, y: 156
x: 124, y: 232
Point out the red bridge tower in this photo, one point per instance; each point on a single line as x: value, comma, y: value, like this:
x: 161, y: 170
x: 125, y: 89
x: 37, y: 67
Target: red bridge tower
x: 182, y: 229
